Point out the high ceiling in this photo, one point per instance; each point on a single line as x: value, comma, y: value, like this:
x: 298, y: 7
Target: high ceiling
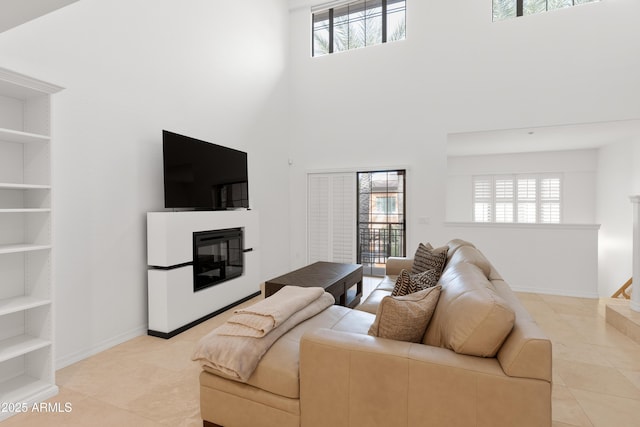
x: 551, y: 138
x: 17, y: 12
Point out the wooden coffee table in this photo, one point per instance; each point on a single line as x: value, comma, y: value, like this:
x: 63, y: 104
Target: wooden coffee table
x: 343, y: 281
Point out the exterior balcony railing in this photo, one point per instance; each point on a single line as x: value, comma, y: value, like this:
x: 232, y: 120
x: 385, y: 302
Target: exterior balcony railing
x: 379, y: 241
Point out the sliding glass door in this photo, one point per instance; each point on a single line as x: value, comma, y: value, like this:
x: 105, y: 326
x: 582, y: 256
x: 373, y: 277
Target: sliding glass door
x: 381, y: 219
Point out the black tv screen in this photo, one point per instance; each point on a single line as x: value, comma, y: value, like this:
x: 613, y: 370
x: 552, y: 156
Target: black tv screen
x: 201, y: 175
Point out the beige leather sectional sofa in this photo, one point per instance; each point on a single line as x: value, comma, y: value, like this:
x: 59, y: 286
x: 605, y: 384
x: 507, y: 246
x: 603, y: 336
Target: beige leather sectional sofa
x: 329, y: 372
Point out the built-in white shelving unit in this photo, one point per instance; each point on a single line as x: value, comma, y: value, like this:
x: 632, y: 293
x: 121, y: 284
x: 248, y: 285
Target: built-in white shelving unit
x: 27, y: 371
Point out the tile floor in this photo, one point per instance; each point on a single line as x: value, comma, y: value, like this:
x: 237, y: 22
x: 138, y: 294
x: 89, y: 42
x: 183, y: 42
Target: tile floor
x: 152, y: 382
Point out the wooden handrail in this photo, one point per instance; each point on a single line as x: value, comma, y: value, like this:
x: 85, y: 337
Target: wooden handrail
x: 624, y: 291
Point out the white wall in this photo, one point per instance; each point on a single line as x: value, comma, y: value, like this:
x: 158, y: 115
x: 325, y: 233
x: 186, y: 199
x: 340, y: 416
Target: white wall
x: 456, y: 72
x: 211, y: 70
x: 531, y: 258
x: 577, y: 167
x: 618, y: 178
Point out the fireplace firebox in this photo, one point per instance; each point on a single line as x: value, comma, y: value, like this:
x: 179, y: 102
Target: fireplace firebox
x: 217, y: 257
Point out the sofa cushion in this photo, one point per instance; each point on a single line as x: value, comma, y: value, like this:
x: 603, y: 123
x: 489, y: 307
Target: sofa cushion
x: 278, y: 370
x: 456, y: 244
x: 387, y: 283
x: 355, y: 321
x: 471, y: 318
x: 410, y: 283
x: 405, y: 318
x: 384, y: 288
x: 472, y: 255
x: 428, y: 258
x: 371, y: 304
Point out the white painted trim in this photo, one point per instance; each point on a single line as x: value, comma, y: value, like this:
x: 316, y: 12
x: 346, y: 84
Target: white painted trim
x: 355, y: 169
x: 72, y: 358
x: 558, y: 292
x: 524, y: 225
x: 28, y: 82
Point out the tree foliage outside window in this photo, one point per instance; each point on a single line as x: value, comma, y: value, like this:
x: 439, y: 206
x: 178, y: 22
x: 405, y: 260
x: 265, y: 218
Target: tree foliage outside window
x: 505, y: 9
x: 358, y: 24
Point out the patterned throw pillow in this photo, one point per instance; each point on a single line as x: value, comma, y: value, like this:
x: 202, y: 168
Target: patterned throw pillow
x: 427, y: 258
x: 405, y: 318
x: 410, y: 283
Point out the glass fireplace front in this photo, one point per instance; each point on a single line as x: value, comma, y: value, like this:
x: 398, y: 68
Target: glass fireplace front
x: 217, y: 257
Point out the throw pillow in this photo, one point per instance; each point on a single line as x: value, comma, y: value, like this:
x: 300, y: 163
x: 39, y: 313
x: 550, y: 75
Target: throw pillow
x: 410, y: 283
x: 428, y: 258
x: 405, y: 318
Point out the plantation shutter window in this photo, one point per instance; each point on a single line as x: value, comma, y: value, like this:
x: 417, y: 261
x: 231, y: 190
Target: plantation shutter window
x: 517, y: 198
x: 483, y: 197
x: 527, y: 200
x: 550, y: 200
x: 504, y: 199
x: 331, y: 217
x: 318, y: 218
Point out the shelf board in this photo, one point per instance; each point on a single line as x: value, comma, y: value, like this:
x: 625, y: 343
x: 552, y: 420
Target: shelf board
x: 25, y: 210
x: 20, y: 345
x: 17, y: 304
x: 25, y: 389
x: 12, y: 249
x: 11, y: 135
x: 13, y: 186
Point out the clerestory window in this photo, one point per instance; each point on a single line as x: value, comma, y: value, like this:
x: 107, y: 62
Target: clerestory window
x: 517, y: 198
x: 355, y: 24
x: 505, y: 9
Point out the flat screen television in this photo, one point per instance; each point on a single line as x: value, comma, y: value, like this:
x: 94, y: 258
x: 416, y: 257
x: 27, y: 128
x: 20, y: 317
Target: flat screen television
x: 203, y: 176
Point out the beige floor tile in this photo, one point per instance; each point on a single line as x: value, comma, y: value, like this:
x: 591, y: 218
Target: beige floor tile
x: 83, y: 412
x: 559, y: 424
x: 537, y: 308
x: 524, y: 296
x: 556, y: 379
x: 570, y: 305
x: 566, y: 409
x: 580, y: 352
x: 633, y: 376
x: 622, y: 357
x: 596, y: 378
x: 608, y: 411
x: 172, y: 403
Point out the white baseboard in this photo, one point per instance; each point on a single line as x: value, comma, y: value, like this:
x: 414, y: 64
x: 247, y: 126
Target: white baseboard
x: 558, y: 292
x: 72, y: 358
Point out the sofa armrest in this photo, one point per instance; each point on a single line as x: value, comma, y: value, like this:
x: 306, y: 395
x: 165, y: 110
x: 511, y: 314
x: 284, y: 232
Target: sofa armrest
x: 395, y: 265
x: 349, y: 380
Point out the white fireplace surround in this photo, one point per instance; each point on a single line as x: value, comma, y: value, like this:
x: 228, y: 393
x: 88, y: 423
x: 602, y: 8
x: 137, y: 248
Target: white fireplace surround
x: 173, y: 305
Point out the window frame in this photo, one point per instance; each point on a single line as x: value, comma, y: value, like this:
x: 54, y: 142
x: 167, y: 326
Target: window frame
x: 490, y: 200
x: 520, y: 8
x: 330, y: 10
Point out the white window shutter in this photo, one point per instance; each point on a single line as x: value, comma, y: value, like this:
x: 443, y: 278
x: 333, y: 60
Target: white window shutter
x: 332, y: 217
x: 343, y: 215
x: 318, y: 218
x: 482, y: 198
x: 520, y: 198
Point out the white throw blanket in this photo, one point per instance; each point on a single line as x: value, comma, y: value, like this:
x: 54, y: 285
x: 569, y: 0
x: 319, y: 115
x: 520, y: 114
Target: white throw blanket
x: 261, y: 318
x: 237, y: 356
